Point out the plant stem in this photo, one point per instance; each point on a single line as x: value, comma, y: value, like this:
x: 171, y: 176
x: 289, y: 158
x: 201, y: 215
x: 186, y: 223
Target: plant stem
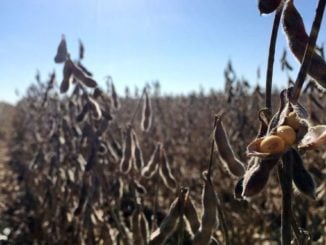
x: 223, y: 223
x: 156, y: 197
x: 271, y: 54
x: 209, y: 171
x: 181, y: 225
x: 120, y: 227
x: 309, y: 50
x: 137, y: 107
x: 299, y: 234
x: 285, y: 176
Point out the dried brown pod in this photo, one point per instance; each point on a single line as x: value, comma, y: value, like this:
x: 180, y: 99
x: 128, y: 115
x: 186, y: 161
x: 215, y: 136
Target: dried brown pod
x: 139, y: 188
x: 62, y: 53
x: 238, y: 189
x: 88, y: 132
x: 102, y: 149
x: 294, y: 28
x: 264, y: 119
x: 82, y: 76
x: 169, y: 223
x: 299, y: 110
x: 102, y: 127
x: 226, y: 154
x: 81, y: 50
x: 107, y: 114
x: 213, y: 241
x: 80, y: 117
x: 95, y: 107
x: 76, y: 91
x: 115, y: 98
x: 84, y: 69
x: 316, y: 102
x: 67, y: 76
x: 146, y: 119
x: 136, y: 233
x: 209, y: 218
x: 301, y: 177
x: 114, y: 150
x: 81, y: 162
x: 116, y: 188
x: 97, y: 93
x: 92, y: 159
x: 268, y: 6
x: 137, y: 152
x: 165, y: 171
x: 82, y: 198
x: 297, y: 37
x: 256, y: 177
x: 106, y: 237
x: 314, y: 138
x: 139, y: 227
x: 126, y: 161
x: 315, y: 117
x: 144, y: 228
x: 90, y: 82
x: 50, y: 85
x: 274, y: 122
x: 150, y: 169
x: 38, y: 159
x: 191, y: 215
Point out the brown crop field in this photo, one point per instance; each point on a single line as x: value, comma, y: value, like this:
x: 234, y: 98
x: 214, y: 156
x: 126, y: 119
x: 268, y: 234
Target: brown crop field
x: 80, y: 164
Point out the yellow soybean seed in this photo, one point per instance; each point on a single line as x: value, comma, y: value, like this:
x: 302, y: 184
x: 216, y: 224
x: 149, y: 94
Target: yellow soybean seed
x: 292, y: 120
x: 287, y: 134
x: 272, y: 144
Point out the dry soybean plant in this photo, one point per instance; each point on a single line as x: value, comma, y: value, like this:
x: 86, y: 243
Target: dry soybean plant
x: 96, y: 168
x: 285, y: 137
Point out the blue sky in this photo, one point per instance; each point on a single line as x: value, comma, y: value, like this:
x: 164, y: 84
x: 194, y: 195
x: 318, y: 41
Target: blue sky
x: 183, y: 43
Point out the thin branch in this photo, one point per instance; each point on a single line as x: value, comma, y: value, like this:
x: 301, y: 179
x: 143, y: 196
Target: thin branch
x: 209, y: 172
x: 285, y: 176
x: 219, y: 206
x: 137, y: 108
x: 223, y: 223
x: 309, y: 50
x: 271, y: 54
x: 299, y: 234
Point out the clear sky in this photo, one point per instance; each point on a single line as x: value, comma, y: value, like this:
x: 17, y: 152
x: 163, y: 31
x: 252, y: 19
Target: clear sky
x: 183, y: 43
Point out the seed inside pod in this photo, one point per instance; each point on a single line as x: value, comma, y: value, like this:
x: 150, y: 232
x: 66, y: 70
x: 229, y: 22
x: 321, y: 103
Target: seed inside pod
x: 287, y: 134
x: 292, y: 120
x: 272, y: 144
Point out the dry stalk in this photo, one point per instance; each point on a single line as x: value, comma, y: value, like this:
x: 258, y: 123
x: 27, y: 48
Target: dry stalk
x: 271, y: 54
x: 309, y: 50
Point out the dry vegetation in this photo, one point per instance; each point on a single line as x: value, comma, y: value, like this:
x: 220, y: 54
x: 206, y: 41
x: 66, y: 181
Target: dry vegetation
x: 7, y: 113
x: 59, y: 200
x: 88, y: 167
